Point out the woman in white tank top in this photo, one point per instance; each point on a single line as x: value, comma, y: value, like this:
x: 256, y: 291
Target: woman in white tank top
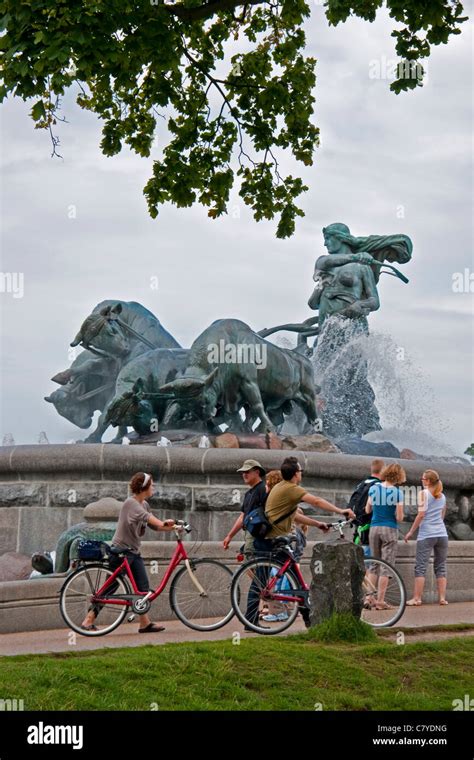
x: 432, y: 537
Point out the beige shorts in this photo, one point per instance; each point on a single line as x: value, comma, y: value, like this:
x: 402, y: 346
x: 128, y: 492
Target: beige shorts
x: 383, y: 544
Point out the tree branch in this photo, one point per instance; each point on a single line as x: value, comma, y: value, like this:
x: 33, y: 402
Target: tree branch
x: 208, y: 9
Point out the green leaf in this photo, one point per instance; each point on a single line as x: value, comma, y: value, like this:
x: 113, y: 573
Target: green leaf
x: 38, y: 111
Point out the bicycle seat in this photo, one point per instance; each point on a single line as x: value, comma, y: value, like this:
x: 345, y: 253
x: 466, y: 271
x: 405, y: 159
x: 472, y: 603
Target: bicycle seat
x: 116, y: 551
x: 283, y: 541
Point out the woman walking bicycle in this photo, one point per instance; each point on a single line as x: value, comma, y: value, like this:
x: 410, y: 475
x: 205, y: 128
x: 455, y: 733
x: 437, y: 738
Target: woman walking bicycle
x: 134, y: 518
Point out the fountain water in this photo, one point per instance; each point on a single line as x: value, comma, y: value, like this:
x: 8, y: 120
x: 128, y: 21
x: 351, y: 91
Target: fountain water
x: 371, y: 388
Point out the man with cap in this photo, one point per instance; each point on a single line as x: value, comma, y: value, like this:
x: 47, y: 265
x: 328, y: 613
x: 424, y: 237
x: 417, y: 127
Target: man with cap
x: 252, y: 475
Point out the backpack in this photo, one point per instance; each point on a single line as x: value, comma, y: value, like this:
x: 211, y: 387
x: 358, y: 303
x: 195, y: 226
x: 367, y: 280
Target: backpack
x: 91, y: 550
x: 257, y: 523
x: 357, y: 503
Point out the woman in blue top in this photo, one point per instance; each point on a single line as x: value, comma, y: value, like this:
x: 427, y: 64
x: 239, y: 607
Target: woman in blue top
x: 432, y: 536
x: 385, y: 502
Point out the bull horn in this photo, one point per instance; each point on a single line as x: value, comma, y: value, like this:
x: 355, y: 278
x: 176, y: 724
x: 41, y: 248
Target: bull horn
x: 62, y: 378
x: 210, y: 378
x: 49, y: 399
x: 105, y: 311
x: 117, y: 309
x: 78, y: 339
x: 182, y: 385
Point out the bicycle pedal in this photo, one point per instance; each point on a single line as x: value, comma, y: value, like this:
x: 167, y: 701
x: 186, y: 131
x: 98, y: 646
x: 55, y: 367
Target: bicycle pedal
x: 131, y: 618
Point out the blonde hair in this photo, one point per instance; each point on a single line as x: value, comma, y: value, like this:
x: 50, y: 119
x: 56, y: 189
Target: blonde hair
x: 434, y: 481
x: 273, y: 477
x: 393, y: 473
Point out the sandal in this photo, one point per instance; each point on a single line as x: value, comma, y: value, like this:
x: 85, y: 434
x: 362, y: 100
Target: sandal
x: 383, y: 606
x: 414, y: 603
x: 443, y: 602
x: 89, y: 627
x: 152, y: 628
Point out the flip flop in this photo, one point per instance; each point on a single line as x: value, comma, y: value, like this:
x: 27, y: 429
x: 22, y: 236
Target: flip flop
x: 443, y: 602
x: 89, y: 628
x: 414, y: 603
x: 383, y: 606
x: 152, y: 628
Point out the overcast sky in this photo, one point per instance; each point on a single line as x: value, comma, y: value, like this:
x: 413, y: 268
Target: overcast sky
x: 386, y: 164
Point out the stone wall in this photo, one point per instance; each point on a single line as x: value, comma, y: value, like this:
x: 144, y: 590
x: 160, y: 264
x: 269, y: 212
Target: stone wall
x: 44, y: 489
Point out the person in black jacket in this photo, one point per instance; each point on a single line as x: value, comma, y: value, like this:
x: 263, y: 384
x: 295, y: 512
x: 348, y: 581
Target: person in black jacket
x: 253, y: 476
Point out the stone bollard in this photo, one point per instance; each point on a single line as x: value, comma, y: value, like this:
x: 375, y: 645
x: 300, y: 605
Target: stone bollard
x: 337, y: 572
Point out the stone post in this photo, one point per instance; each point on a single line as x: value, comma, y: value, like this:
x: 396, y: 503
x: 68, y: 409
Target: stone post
x: 337, y: 572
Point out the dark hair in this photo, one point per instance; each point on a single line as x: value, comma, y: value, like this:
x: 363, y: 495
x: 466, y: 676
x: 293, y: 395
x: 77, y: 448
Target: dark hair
x: 289, y: 468
x: 137, y: 481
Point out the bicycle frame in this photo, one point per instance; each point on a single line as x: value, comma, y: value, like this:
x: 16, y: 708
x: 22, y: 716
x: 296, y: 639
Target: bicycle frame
x: 285, y: 597
x: 179, y: 555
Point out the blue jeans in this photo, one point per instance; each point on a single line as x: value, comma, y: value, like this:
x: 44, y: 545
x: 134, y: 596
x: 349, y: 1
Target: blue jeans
x: 261, y: 547
x: 137, y: 566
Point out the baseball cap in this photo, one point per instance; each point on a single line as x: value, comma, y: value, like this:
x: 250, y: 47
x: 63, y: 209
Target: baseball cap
x: 250, y: 464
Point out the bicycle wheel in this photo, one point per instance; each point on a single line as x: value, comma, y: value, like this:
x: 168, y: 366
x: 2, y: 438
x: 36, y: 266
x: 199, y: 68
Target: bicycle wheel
x: 75, y: 599
x: 254, y: 605
x: 380, y: 574
x: 201, y: 599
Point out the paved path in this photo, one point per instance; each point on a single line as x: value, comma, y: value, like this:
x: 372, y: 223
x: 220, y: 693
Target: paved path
x: 63, y: 640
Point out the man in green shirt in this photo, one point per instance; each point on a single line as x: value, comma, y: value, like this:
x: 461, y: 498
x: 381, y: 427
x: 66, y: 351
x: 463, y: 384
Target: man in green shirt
x: 284, y: 498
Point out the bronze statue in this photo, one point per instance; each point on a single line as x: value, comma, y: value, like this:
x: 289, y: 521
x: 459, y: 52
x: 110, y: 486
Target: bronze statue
x: 346, y: 279
x: 137, y: 375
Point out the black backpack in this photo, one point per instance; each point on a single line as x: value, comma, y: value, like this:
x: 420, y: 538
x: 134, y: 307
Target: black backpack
x: 357, y: 503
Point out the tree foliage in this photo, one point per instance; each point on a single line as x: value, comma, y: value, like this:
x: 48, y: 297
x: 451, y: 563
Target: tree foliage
x: 230, y: 80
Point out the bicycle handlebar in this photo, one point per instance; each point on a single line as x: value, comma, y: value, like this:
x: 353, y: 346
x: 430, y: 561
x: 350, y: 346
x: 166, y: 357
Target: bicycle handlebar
x: 340, y: 525
x: 182, y: 525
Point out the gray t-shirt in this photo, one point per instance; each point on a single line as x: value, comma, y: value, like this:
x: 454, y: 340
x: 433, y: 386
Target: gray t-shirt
x: 131, y: 524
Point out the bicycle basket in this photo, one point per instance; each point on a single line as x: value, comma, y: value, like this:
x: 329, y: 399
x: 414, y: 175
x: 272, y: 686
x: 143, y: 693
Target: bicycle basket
x: 90, y: 550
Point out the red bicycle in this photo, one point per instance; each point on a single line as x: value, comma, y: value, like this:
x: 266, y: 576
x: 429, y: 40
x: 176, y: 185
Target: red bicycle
x: 269, y: 590
x: 199, y: 592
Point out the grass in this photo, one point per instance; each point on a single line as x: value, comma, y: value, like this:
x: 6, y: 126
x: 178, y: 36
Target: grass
x: 266, y: 673
x: 342, y: 627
